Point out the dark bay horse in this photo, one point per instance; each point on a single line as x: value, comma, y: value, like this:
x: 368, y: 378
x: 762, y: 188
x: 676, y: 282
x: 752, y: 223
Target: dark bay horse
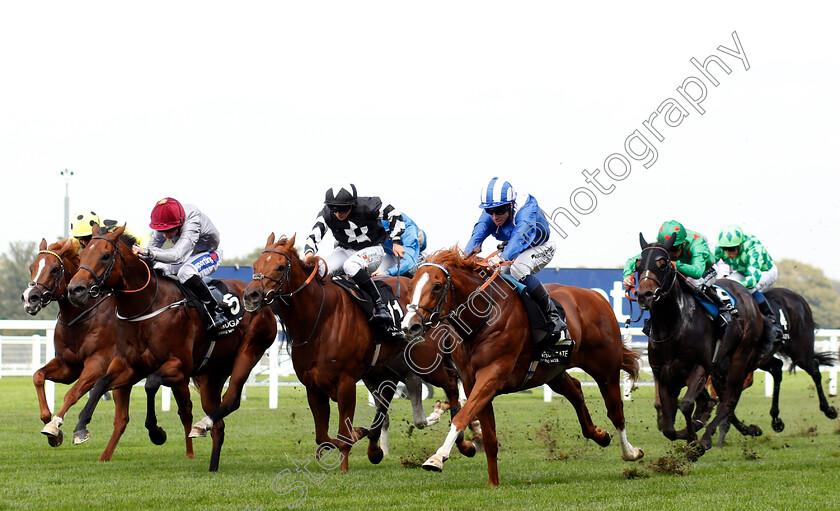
x: 333, y: 347
x: 683, y: 347
x: 159, y: 333
x: 84, y: 342
x: 490, y: 340
x: 799, y: 349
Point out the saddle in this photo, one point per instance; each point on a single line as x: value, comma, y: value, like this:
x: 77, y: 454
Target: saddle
x: 230, y: 303
x: 391, y: 331
x: 546, y: 351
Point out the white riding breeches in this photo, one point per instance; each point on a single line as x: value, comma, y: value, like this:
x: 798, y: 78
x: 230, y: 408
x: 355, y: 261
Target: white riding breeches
x: 350, y: 262
x: 532, y: 260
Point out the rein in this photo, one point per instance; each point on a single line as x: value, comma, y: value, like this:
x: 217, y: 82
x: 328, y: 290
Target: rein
x: 435, y: 315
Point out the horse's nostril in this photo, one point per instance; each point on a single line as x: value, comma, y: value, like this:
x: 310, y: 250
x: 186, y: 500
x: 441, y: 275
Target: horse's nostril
x: 415, y: 330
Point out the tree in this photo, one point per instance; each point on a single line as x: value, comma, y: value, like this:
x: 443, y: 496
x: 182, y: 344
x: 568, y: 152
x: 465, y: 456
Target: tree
x: 14, y: 277
x: 817, y: 289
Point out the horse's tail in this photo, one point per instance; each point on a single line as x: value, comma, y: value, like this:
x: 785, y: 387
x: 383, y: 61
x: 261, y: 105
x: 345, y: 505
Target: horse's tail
x: 630, y: 361
x: 826, y: 358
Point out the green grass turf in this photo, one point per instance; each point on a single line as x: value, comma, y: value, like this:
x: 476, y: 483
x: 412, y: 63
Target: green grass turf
x: 544, y: 462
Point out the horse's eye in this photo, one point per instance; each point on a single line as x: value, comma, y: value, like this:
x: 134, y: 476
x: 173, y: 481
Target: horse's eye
x: 437, y: 287
x: 106, y: 256
x: 662, y: 263
x: 281, y: 268
x: 53, y: 271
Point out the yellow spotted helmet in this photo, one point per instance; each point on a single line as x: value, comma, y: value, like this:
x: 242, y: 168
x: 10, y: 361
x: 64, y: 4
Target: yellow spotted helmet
x: 81, y: 224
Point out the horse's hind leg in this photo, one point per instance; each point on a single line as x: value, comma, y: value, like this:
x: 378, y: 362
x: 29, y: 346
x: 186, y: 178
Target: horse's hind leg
x: 814, y: 371
x: 414, y: 390
x: 121, y: 401
x: 611, y: 391
x: 774, y: 367
x: 491, y: 444
x: 382, y: 401
x: 570, y: 388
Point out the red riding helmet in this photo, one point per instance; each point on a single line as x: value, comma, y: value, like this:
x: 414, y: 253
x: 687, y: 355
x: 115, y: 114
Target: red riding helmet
x: 167, y: 214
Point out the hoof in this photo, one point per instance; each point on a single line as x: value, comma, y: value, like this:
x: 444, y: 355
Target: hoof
x: 51, y: 430
x: 376, y: 457
x: 80, y: 437
x: 434, y: 463
x: 198, y: 432
x: 157, y: 435
x: 778, y: 425
x: 637, y: 455
x: 831, y: 413
x: 470, y: 451
x: 753, y: 430
x: 55, y: 441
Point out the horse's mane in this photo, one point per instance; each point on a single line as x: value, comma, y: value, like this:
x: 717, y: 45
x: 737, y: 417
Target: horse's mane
x: 287, y: 246
x: 68, y: 249
x: 455, y: 258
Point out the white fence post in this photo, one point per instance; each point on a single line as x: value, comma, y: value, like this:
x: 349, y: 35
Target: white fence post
x: 49, y: 386
x: 165, y: 399
x: 273, y: 373
x: 547, y: 394
x: 768, y: 384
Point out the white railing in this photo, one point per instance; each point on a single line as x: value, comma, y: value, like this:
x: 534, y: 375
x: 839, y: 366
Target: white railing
x: 23, y: 355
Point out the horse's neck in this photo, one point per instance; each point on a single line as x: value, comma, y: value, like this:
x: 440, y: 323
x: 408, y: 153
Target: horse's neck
x: 301, y: 311
x: 470, y: 314
x: 667, y: 313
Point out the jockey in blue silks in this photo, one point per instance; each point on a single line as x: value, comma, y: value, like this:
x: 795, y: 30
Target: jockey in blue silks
x: 524, y: 228
x: 413, y: 241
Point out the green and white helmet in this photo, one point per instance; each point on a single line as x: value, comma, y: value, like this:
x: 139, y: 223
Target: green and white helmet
x: 731, y: 236
x: 671, y: 228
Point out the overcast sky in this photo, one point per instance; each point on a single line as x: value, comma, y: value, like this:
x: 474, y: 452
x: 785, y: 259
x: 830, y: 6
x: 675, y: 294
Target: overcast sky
x: 251, y: 110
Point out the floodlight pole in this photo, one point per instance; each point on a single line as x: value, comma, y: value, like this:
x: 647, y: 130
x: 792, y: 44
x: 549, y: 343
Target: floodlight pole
x: 67, y: 174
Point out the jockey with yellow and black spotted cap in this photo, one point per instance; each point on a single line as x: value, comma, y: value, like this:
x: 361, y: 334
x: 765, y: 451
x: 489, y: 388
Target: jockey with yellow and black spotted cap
x: 81, y: 228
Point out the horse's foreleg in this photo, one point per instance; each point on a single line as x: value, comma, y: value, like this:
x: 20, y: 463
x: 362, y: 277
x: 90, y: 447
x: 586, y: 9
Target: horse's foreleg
x: 466, y: 447
x: 669, y: 403
x: 570, y: 388
x: 611, y: 391
x: 729, y: 399
x: 156, y: 433
x: 347, y: 433
x: 696, y: 386
x: 491, y: 443
x: 414, y: 389
x: 119, y: 374
x: 211, y: 396
x: 657, y: 404
x: 383, y: 395
x: 181, y: 393
x: 487, y: 385
x: 54, y: 370
x: 121, y: 401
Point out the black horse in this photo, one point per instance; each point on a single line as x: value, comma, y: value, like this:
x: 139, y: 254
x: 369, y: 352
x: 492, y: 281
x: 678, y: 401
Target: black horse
x: 799, y: 349
x: 685, y: 346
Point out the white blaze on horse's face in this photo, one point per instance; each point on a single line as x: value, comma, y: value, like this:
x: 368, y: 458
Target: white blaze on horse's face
x: 415, y: 300
x: 41, y: 264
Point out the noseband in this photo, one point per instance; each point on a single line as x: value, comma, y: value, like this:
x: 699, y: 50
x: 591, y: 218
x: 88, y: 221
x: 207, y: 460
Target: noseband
x: 669, y: 272
x: 48, y: 294
x: 435, y: 315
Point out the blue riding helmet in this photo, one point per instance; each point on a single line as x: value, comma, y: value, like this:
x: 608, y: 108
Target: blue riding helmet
x: 497, y: 193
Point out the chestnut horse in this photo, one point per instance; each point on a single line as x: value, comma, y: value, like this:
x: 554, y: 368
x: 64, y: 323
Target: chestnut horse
x: 84, y: 342
x: 333, y: 347
x: 683, y: 347
x: 492, y: 349
x: 159, y: 333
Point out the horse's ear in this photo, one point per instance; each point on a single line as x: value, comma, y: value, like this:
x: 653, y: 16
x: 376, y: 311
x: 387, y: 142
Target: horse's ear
x: 43, y: 245
x: 669, y: 244
x: 269, y: 241
x: 291, y: 242
x: 119, y: 232
x: 642, y: 241
x: 94, y: 229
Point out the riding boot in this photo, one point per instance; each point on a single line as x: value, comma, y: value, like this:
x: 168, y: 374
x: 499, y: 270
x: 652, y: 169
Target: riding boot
x: 380, y: 312
x: 772, y: 340
x: 556, y: 325
x: 727, y: 311
x: 214, y: 309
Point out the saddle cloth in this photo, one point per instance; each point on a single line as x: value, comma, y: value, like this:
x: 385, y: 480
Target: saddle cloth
x: 366, y: 303
x: 231, y: 305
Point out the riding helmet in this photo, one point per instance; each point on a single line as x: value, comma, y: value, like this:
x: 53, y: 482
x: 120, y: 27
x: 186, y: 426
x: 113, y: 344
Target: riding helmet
x: 342, y: 195
x: 82, y: 224
x: 497, y: 193
x: 671, y: 228
x: 167, y: 214
x: 730, y: 236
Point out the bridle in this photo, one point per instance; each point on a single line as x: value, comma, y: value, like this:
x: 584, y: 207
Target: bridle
x: 435, y: 315
x: 268, y: 297
x: 670, y: 274
x: 99, y: 282
x: 48, y: 295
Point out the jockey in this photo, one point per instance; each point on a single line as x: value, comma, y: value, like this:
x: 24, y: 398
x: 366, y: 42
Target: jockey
x: 525, y: 231
x: 81, y: 228
x: 195, y: 252
x: 751, y: 265
x: 413, y: 241
x: 692, y: 259
x: 355, y: 223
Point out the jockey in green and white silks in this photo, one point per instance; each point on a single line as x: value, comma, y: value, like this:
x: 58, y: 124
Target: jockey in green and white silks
x: 744, y: 259
x: 693, y: 259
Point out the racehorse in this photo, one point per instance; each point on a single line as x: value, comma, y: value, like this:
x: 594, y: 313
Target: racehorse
x: 799, y: 349
x: 491, y: 347
x: 159, y: 332
x: 682, y: 347
x: 84, y: 342
x: 333, y: 346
